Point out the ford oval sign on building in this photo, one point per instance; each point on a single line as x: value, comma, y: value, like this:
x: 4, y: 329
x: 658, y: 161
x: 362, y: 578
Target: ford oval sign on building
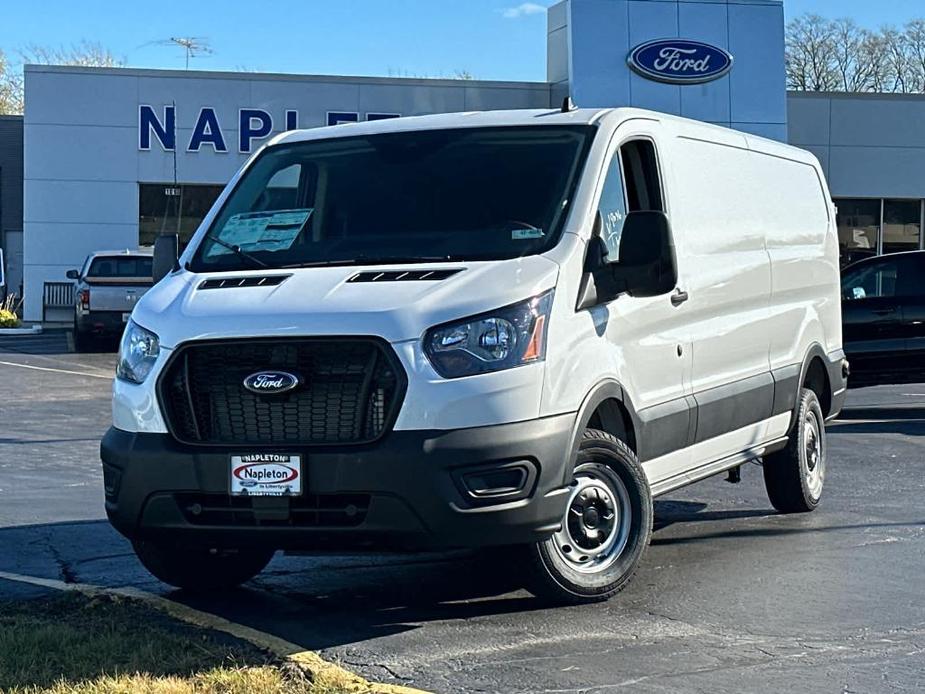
x: 679, y: 61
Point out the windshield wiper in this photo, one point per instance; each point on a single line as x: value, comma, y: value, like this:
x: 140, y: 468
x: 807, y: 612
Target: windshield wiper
x: 237, y: 250
x: 378, y: 260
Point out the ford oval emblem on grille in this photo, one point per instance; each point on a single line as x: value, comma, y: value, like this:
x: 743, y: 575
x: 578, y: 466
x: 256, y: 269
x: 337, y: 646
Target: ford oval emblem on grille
x: 271, y: 382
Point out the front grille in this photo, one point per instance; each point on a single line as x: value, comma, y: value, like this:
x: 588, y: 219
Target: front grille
x: 351, y: 390
x: 308, y: 511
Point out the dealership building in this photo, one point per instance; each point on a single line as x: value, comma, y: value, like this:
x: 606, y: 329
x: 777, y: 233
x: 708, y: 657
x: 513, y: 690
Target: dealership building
x: 113, y: 157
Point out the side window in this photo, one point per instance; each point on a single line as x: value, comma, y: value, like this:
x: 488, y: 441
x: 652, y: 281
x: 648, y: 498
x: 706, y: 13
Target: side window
x: 613, y: 209
x: 873, y: 280
x: 640, y: 167
x: 632, y: 185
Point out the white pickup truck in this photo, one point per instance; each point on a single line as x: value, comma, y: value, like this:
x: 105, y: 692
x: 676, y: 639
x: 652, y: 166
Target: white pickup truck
x: 108, y: 286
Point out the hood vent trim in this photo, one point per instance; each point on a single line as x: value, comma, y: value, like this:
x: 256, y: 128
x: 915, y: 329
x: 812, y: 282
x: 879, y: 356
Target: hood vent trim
x: 404, y: 275
x: 236, y: 282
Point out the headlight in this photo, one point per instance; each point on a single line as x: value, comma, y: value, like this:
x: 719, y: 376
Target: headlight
x: 502, y: 339
x: 138, y: 351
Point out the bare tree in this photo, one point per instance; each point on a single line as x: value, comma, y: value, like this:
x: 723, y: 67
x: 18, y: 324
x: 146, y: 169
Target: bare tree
x: 851, y: 60
x: 824, y: 54
x: 898, y: 60
x: 811, y: 42
x: 10, y: 86
x: 85, y: 53
x: 873, y: 55
x: 915, y: 41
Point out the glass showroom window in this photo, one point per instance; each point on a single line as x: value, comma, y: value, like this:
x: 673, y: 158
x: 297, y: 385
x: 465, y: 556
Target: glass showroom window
x: 165, y: 208
x: 858, y: 228
x: 902, y: 225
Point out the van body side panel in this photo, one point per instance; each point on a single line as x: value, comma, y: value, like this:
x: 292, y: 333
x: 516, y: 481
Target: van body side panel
x: 803, y: 247
x: 727, y: 274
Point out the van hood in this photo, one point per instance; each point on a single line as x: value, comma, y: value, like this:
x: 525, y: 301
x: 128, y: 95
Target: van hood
x: 321, y: 301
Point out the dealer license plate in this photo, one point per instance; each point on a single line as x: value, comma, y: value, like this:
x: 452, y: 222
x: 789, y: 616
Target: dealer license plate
x: 266, y: 474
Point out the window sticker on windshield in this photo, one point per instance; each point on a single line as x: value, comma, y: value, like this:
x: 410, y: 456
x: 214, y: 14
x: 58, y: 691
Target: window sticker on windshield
x: 263, y: 231
x: 521, y: 234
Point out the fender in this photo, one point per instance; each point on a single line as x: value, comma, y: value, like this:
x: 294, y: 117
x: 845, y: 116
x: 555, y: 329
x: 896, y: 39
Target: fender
x: 787, y: 391
x: 608, y: 389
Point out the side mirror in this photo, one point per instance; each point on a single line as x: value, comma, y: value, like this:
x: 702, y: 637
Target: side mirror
x: 72, y: 274
x: 647, y: 265
x: 166, y: 252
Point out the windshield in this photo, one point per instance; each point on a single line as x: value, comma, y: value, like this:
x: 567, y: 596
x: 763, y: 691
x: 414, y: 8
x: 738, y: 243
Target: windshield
x: 467, y: 194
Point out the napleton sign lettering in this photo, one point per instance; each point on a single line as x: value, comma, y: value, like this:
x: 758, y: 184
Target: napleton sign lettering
x: 253, y: 125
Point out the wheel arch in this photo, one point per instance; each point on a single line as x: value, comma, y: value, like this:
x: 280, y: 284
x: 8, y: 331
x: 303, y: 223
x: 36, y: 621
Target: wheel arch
x: 607, y: 407
x: 814, y: 375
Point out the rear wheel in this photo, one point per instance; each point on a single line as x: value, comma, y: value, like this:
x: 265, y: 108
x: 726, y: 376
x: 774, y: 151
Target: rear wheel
x: 605, y: 530
x: 200, y: 569
x: 81, y: 339
x: 794, y: 476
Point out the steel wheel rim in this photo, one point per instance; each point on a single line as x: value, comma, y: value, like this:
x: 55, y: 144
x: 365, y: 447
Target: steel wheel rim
x: 813, y: 454
x: 596, y: 526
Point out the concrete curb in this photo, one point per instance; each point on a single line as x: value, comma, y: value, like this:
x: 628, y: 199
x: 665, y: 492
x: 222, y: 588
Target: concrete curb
x: 320, y: 671
x: 15, y: 332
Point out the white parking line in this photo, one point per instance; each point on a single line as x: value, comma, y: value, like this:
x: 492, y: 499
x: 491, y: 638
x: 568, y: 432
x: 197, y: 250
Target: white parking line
x: 60, y: 371
x: 320, y: 669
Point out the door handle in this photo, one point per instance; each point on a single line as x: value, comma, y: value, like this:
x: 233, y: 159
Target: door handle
x: 884, y: 311
x: 679, y: 297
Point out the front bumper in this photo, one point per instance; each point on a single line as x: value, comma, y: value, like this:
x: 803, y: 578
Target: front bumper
x: 404, y: 491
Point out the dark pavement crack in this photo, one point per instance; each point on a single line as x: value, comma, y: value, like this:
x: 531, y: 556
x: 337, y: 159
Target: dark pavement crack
x: 67, y: 573
x: 381, y: 666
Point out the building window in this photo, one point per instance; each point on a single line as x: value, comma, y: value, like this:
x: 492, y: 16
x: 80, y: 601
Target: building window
x: 165, y: 208
x: 858, y: 228
x: 902, y: 225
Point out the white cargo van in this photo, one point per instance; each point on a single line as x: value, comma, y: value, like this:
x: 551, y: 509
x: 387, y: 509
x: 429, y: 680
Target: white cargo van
x: 504, y: 328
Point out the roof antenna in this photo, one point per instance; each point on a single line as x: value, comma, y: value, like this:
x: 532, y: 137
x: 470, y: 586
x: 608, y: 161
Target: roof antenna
x: 568, y: 105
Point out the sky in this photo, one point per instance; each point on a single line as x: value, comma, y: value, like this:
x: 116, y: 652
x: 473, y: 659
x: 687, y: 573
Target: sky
x: 490, y: 39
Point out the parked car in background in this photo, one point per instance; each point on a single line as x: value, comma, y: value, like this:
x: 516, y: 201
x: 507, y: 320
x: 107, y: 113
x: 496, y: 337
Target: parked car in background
x: 883, y: 317
x: 108, y: 286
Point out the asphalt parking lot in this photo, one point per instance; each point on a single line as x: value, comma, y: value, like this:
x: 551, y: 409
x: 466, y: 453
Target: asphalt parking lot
x: 730, y: 598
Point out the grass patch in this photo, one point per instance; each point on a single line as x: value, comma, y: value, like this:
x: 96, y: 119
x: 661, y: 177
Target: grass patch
x: 73, y: 644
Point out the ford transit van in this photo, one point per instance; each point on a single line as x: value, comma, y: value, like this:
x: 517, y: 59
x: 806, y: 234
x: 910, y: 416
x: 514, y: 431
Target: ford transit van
x: 502, y: 328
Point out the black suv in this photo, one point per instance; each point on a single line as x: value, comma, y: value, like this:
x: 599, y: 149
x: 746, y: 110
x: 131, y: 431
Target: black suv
x: 883, y: 315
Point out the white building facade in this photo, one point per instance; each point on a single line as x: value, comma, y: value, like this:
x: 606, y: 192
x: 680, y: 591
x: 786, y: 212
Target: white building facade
x: 113, y: 157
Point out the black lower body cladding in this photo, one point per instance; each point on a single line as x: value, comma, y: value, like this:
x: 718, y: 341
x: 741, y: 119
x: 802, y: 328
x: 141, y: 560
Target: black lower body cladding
x: 408, y: 490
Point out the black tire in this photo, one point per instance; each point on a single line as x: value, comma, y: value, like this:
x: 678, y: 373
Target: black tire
x: 794, y: 475
x: 200, y: 570
x: 81, y: 340
x: 552, y: 577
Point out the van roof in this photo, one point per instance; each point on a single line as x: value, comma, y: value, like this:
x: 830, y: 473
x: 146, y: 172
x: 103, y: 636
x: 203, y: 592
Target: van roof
x: 445, y: 121
x: 517, y: 117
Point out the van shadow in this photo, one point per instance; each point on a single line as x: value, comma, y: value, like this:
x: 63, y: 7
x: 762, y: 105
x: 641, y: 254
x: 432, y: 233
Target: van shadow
x: 322, y: 602
x: 316, y: 602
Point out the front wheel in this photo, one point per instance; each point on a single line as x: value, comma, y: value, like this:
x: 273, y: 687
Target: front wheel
x: 794, y: 475
x: 605, y: 529
x: 200, y: 569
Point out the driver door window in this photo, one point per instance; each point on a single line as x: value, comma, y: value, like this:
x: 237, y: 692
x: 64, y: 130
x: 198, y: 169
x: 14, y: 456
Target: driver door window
x: 632, y: 184
x: 612, y: 209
